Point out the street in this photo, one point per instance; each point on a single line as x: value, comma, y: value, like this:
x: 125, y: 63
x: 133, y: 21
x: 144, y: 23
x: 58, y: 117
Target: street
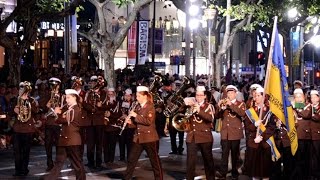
x: 174, y: 166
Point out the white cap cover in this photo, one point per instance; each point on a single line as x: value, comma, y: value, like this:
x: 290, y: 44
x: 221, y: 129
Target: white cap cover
x: 111, y: 89
x: 142, y: 88
x: 93, y: 78
x: 255, y: 86
x: 231, y: 88
x: 259, y: 90
x: 71, y: 91
x: 314, y: 92
x: 298, y: 91
x: 201, y: 88
x: 128, y: 91
x: 55, y: 79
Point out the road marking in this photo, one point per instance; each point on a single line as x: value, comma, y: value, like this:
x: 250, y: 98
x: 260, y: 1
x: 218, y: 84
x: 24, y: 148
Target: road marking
x: 143, y: 159
x: 45, y: 173
x: 216, y: 149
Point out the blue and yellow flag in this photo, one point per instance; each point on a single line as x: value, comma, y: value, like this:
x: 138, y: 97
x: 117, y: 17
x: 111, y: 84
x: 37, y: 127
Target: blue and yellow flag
x: 253, y: 116
x: 276, y: 86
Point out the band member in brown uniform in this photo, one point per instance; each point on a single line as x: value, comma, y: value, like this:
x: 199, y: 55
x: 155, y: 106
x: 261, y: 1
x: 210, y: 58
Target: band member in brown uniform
x: 302, y: 114
x: 315, y: 131
x: 52, y: 129
x: 23, y: 128
x: 145, y: 137
x: 69, y: 140
x: 199, y: 136
x: 94, y: 104
x: 77, y: 84
x: 283, y: 168
x: 231, y: 111
x: 125, y: 139
x: 259, y: 164
x: 112, y: 114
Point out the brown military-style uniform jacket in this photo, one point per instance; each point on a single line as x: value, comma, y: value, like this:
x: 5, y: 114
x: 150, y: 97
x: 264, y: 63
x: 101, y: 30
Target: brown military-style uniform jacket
x: 252, y: 129
x: 232, y: 122
x: 145, y: 124
x: 303, y: 122
x: 281, y: 136
x: 95, y: 115
x: 29, y: 126
x: 201, y: 125
x: 84, y: 121
x: 70, y: 133
x: 315, y: 124
x: 115, y: 113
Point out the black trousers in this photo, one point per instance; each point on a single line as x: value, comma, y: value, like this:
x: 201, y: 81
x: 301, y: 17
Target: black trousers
x: 83, y: 130
x: 52, y: 134
x: 73, y: 154
x: 303, y: 160
x: 125, y: 142
x: 109, y: 145
x: 136, y: 150
x: 234, y: 147
x: 94, y: 145
x: 206, y: 152
x: 21, y: 148
x: 315, y: 159
x: 288, y: 164
x: 173, y: 139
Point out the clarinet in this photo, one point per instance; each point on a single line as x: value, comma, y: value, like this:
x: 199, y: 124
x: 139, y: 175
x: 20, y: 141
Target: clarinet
x: 128, y: 117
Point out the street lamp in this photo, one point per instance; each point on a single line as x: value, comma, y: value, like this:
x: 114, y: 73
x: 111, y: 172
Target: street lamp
x: 209, y: 15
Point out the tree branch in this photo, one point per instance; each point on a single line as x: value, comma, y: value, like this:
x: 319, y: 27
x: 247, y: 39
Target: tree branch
x: 91, y: 38
x: 102, y: 22
x: 131, y: 18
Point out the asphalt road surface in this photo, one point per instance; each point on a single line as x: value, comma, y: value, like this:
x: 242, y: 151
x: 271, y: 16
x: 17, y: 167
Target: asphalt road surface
x: 174, y: 166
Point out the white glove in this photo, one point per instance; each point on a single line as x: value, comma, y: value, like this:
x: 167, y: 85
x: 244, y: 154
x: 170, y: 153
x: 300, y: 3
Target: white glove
x: 258, y: 139
x: 257, y: 123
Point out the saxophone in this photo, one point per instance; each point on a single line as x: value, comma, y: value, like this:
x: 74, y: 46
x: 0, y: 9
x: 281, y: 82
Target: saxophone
x: 24, y: 104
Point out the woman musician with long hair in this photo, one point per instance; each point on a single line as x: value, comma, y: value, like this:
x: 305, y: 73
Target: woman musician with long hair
x: 145, y: 137
x: 70, y: 139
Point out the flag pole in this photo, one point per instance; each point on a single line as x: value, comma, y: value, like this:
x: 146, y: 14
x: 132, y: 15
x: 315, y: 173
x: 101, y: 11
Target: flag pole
x: 266, y: 81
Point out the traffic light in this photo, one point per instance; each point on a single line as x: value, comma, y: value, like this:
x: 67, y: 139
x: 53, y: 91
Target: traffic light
x: 318, y: 74
x: 261, y: 58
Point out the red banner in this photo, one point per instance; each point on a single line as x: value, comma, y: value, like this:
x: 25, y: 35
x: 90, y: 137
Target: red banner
x: 132, y: 39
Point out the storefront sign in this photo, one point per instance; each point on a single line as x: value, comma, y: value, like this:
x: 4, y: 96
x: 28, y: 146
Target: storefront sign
x: 132, y: 44
x: 143, y: 41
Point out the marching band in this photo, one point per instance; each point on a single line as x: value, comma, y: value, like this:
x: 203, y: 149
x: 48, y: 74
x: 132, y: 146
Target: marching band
x: 136, y: 118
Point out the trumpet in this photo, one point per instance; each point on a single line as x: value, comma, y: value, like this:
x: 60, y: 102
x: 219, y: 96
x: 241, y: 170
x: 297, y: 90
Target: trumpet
x: 223, y: 103
x: 133, y: 107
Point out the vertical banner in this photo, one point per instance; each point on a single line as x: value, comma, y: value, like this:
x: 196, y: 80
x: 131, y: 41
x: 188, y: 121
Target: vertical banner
x: 132, y: 44
x: 143, y: 41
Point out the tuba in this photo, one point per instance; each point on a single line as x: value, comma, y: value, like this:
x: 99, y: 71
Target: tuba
x: 24, y: 104
x: 155, y: 85
x: 76, y: 82
x: 180, y: 121
x: 54, y: 98
x: 175, y: 101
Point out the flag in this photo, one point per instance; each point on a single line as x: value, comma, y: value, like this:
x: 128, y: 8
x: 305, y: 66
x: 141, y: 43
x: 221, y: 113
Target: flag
x: 276, y: 86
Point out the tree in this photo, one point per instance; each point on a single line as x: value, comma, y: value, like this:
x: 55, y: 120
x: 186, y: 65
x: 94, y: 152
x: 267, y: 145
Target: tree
x: 28, y: 14
x: 250, y: 15
x: 106, y: 42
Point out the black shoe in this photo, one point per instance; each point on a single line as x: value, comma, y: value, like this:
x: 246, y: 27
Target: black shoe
x: 49, y: 168
x: 89, y: 165
x: 180, y: 151
x: 173, y: 152
x: 99, y: 168
x: 25, y: 173
x: 18, y: 174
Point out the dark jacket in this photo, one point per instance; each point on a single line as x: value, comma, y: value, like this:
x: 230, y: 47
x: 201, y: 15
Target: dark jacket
x: 201, y: 125
x: 232, y: 121
x: 252, y: 129
x: 29, y: 126
x: 145, y: 124
x: 315, y: 124
x: 70, y: 132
